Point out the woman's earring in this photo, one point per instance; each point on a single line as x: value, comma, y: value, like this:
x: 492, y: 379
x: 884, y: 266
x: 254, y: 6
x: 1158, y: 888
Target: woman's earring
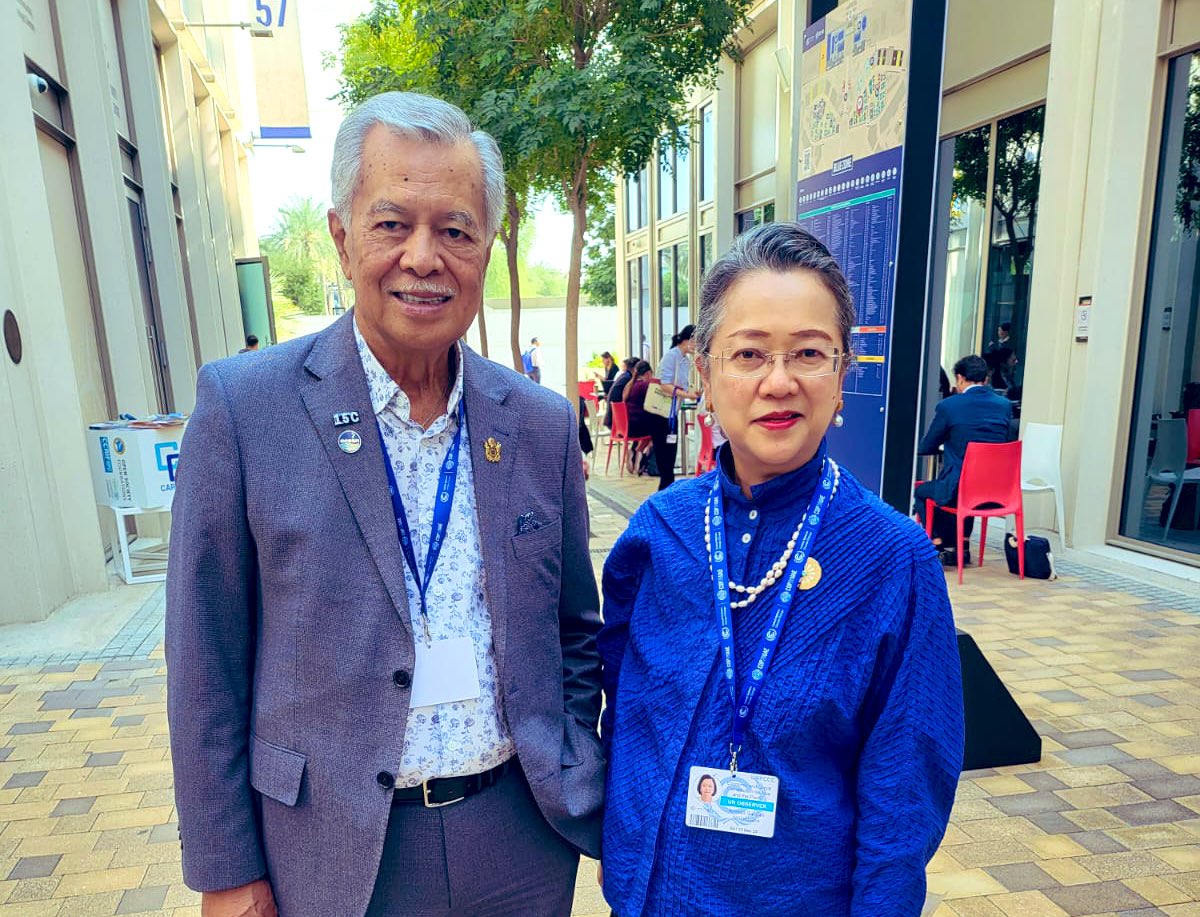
x: 838, y: 419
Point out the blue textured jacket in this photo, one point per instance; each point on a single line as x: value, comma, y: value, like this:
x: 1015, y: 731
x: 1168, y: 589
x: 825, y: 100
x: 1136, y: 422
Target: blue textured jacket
x: 860, y: 719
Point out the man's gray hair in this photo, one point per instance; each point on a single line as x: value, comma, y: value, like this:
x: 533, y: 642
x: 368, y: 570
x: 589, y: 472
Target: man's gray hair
x: 779, y: 247
x: 410, y: 114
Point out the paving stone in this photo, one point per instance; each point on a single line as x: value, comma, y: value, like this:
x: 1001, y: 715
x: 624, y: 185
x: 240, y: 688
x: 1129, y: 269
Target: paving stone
x: 27, y: 778
x: 1152, y: 813
x: 104, y: 758
x: 78, y: 805
x: 1095, y: 898
x: 140, y: 900
x: 25, y: 729
x: 1097, y: 841
x: 35, y: 867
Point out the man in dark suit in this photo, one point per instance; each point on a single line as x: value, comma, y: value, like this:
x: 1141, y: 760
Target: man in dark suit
x: 381, y: 614
x: 975, y: 415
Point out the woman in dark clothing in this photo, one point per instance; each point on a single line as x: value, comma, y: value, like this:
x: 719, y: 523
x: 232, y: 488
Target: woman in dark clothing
x: 643, y: 423
x: 617, y: 391
x: 610, y: 372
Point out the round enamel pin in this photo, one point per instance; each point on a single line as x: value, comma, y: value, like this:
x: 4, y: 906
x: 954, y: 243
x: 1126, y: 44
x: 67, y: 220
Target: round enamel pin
x: 350, y: 442
x: 812, y: 574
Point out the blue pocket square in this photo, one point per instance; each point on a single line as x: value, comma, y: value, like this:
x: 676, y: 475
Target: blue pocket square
x: 527, y: 522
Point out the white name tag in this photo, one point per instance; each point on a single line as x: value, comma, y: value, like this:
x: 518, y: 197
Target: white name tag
x: 741, y: 803
x: 445, y: 672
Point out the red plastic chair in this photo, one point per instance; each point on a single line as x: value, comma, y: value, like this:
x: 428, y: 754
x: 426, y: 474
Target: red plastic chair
x: 587, y: 391
x: 706, y: 459
x: 991, y: 474
x: 1193, y: 436
x: 620, y: 436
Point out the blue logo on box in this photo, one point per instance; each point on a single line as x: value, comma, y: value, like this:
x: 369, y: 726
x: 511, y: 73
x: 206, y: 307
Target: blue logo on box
x: 105, y: 455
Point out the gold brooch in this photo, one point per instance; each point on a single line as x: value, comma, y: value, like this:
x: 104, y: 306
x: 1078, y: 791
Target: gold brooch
x: 491, y: 450
x: 812, y: 574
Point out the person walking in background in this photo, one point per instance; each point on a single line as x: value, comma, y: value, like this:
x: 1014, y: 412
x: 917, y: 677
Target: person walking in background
x: 251, y: 344
x: 531, y: 361
x: 402, y: 615
x: 975, y: 415
x: 674, y: 374
x: 775, y: 626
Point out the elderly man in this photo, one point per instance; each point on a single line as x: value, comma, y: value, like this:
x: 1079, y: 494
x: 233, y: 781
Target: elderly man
x: 381, y: 614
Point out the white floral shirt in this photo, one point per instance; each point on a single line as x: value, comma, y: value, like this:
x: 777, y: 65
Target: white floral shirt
x: 465, y: 737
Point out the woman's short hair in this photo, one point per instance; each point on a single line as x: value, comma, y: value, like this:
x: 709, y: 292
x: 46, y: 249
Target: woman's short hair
x: 630, y: 363
x: 780, y: 247
x: 703, y: 777
x: 420, y: 117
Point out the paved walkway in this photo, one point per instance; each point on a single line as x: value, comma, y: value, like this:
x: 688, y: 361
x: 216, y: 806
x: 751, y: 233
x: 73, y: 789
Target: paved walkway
x: 1108, y: 823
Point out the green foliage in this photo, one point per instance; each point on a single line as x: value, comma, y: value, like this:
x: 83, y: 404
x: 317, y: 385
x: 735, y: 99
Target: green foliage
x: 536, y: 279
x: 1187, y: 195
x: 301, y: 255
x: 600, y: 254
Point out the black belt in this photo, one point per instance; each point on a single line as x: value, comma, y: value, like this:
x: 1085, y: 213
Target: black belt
x: 443, y: 791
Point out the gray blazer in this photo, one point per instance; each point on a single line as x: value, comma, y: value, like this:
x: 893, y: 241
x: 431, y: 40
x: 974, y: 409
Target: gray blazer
x: 288, y: 620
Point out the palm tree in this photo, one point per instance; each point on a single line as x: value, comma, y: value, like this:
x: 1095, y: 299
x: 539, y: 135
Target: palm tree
x: 302, y: 233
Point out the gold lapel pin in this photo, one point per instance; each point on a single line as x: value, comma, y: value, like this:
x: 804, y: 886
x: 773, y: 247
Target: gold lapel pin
x: 491, y: 450
x: 812, y: 574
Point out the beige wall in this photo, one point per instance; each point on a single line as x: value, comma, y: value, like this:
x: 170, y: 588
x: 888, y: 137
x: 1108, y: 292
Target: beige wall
x: 985, y: 36
x: 67, y: 267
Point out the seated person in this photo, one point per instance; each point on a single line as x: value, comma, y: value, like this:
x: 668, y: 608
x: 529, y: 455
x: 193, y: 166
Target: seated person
x: 641, y: 421
x: 617, y: 391
x: 977, y: 415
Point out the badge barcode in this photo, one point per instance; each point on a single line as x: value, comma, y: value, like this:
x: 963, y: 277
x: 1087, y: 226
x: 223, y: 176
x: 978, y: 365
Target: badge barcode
x: 702, y: 821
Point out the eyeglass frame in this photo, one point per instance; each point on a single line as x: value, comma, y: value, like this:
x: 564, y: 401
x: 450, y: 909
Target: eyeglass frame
x: 772, y: 355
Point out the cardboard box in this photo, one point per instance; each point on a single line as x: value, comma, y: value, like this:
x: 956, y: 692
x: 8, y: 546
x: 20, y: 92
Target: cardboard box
x: 134, y: 467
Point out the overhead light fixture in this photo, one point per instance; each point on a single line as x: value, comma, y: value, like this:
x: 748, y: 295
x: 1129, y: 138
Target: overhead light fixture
x: 255, y: 30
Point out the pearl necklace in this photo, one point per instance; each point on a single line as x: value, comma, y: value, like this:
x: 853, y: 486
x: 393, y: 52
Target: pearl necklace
x: 776, y: 569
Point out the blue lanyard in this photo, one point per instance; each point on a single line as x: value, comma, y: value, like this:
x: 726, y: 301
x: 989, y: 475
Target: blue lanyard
x: 674, y: 410
x: 447, y: 482
x: 783, y: 601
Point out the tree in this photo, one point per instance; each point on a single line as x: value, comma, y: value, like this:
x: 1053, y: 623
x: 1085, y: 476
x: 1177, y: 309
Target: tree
x: 302, y: 257
x: 600, y: 256
x: 593, y: 86
x: 571, y: 91
x: 413, y: 46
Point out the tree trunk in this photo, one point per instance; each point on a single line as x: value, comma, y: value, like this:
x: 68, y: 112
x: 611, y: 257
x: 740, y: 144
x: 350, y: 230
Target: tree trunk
x: 514, y: 279
x: 482, y: 329
x: 577, y: 199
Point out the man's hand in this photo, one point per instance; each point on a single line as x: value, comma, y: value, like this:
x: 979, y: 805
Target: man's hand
x: 253, y: 900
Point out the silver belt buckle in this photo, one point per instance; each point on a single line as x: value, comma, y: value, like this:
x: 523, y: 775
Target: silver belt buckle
x: 435, y: 805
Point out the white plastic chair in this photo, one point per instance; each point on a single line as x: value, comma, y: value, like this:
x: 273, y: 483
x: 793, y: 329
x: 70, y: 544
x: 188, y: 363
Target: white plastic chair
x: 1169, y: 466
x: 1041, y: 467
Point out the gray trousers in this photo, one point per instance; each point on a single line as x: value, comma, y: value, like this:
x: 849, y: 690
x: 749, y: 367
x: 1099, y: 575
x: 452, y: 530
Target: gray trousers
x: 491, y: 855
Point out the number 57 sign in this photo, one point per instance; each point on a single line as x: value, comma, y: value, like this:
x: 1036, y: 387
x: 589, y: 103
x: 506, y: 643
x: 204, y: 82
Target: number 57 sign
x: 271, y: 14
x: 279, y: 72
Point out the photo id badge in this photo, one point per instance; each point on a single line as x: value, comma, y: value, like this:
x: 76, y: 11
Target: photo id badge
x: 741, y: 803
x: 445, y: 672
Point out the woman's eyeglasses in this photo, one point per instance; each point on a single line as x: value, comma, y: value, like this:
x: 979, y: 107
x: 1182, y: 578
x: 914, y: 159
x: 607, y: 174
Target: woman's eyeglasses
x: 752, y: 363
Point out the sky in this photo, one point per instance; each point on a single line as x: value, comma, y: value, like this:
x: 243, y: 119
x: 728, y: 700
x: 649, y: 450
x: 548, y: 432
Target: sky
x: 277, y: 174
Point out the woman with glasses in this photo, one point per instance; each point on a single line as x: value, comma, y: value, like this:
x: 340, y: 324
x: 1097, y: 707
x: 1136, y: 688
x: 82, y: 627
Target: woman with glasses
x: 776, y: 627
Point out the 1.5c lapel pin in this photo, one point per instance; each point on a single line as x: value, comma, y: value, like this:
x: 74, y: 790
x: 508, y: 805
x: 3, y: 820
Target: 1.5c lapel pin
x: 341, y: 418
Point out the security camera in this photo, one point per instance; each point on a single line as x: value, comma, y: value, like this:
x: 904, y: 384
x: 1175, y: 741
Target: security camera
x: 37, y: 85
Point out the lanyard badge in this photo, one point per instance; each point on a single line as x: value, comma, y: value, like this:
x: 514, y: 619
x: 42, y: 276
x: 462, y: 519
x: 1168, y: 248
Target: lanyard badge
x: 743, y: 707
x: 447, y: 482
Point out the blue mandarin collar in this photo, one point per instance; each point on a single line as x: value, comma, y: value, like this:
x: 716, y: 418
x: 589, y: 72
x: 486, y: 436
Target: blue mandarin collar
x: 795, y: 488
